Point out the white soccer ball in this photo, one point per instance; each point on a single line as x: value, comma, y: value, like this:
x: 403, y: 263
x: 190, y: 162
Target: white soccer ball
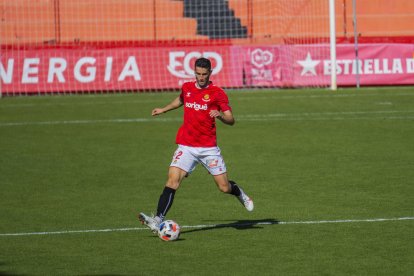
x: 169, y: 230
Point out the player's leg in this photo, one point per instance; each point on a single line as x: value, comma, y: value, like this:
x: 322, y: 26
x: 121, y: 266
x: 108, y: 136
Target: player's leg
x: 182, y: 163
x: 244, y: 199
x: 213, y: 161
x: 223, y: 183
x: 175, y: 177
x: 165, y: 201
x: 231, y: 187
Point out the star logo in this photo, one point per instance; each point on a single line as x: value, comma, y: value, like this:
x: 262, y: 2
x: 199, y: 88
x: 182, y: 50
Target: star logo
x: 308, y: 66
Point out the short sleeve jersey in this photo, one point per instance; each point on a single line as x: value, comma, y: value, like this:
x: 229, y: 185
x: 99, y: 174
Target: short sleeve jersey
x: 198, y: 128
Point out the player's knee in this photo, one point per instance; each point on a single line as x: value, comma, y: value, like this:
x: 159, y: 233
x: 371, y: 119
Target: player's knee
x: 173, y: 184
x: 224, y: 188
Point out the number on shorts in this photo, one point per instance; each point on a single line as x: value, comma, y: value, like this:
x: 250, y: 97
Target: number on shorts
x: 178, y: 155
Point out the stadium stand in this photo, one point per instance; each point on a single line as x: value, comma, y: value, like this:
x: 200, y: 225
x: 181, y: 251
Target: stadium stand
x: 381, y: 18
x: 31, y: 22
x: 215, y: 19
x: 384, y: 18
x: 69, y: 21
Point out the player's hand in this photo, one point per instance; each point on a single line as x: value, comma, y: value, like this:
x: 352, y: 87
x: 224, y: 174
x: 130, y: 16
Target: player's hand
x: 215, y: 114
x: 157, y: 111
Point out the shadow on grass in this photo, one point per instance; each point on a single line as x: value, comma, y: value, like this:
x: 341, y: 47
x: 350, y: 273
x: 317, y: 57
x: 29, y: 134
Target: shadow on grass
x: 239, y: 225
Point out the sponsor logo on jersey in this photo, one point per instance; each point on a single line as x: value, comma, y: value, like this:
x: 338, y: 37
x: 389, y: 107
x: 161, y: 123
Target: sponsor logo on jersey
x: 196, y: 106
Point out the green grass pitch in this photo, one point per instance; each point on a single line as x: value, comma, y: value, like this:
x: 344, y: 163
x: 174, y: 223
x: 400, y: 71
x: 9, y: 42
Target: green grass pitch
x: 331, y: 175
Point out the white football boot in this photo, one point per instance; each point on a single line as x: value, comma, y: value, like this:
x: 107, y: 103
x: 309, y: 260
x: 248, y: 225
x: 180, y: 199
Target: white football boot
x: 151, y: 222
x: 246, y: 201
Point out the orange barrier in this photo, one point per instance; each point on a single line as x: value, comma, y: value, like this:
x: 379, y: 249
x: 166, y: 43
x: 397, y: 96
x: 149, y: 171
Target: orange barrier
x: 382, y: 17
x: 68, y: 21
x: 280, y: 18
x: 119, y: 20
x: 25, y: 22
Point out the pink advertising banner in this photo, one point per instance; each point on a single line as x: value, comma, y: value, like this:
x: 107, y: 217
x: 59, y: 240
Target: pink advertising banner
x: 304, y: 65
x: 143, y: 68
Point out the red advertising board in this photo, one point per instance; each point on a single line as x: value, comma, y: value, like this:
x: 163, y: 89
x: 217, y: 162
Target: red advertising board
x: 156, y: 68
x: 56, y: 70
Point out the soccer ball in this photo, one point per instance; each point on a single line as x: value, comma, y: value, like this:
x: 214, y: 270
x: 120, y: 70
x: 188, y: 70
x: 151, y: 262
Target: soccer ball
x: 169, y: 230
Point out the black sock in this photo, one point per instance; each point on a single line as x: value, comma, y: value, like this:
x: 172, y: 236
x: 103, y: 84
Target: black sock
x: 234, y: 188
x: 165, y: 202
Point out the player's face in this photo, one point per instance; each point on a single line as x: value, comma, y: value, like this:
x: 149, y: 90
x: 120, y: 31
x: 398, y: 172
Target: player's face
x: 202, y: 76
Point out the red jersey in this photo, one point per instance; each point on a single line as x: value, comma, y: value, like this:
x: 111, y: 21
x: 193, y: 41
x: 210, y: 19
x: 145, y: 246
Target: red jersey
x: 198, y: 128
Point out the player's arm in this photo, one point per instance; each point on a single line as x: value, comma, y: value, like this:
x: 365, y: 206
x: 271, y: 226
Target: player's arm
x: 176, y: 103
x: 226, y: 116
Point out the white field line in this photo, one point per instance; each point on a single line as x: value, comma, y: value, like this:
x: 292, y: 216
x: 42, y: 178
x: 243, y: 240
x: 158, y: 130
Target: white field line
x: 262, y: 95
x: 80, y: 122
x: 252, y: 117
x: 211, y: 226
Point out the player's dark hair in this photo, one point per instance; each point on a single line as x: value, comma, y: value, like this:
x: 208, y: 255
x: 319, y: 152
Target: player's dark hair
x: 203, y: 63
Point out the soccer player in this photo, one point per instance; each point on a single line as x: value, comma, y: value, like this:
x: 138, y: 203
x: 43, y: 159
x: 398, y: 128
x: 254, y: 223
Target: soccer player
x: 204, y: 103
